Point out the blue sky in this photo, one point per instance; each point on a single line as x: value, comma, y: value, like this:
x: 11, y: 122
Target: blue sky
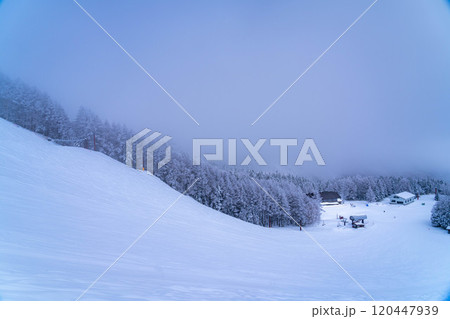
x: 377, y: 102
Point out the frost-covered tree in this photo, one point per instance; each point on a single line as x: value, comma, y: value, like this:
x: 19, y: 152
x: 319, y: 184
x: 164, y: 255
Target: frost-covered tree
x: 370, y: 195
x: 32, y: 109
x: 440, y: 214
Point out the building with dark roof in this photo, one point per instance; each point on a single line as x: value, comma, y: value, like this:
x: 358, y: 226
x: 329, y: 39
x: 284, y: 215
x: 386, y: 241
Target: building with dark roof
x: 330, y: 198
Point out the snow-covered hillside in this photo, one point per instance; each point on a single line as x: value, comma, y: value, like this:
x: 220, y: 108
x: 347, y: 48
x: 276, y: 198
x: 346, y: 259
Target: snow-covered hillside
x: 67, y: 213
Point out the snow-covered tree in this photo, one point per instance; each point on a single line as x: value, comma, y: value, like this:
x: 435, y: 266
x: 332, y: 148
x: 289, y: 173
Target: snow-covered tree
x: 370, y: 195
x: 440, y: 214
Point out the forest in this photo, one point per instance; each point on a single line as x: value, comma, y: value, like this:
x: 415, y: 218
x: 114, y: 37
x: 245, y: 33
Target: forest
x: 231, y: 191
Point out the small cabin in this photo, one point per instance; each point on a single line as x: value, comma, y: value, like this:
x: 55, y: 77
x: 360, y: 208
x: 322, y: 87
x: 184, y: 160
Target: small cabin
x: 330, y: 198
x: 358, y: 221
x: 403, y: 198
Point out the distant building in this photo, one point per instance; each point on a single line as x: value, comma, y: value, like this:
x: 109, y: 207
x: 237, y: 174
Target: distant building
x: 403, y: 198
x: 330, y: 198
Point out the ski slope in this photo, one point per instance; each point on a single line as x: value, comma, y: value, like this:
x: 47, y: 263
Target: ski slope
x: 67, y: 213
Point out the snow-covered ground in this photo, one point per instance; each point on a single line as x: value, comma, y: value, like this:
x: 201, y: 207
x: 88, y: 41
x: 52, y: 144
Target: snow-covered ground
x: 67, y: 213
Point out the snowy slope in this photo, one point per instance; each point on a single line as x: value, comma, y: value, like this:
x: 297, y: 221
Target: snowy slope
x: 67, y: 213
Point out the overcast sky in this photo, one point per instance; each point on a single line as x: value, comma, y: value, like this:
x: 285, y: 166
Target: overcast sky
x: 377, y: 102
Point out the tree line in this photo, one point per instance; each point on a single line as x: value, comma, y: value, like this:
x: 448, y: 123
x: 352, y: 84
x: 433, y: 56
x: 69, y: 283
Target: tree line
x: 36, y: 111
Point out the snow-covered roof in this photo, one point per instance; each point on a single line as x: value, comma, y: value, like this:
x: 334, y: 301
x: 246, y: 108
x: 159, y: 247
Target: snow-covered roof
x: 405, y: 195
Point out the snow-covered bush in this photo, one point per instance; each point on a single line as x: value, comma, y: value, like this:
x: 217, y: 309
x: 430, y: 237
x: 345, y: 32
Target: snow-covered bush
x: 440, y: 214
